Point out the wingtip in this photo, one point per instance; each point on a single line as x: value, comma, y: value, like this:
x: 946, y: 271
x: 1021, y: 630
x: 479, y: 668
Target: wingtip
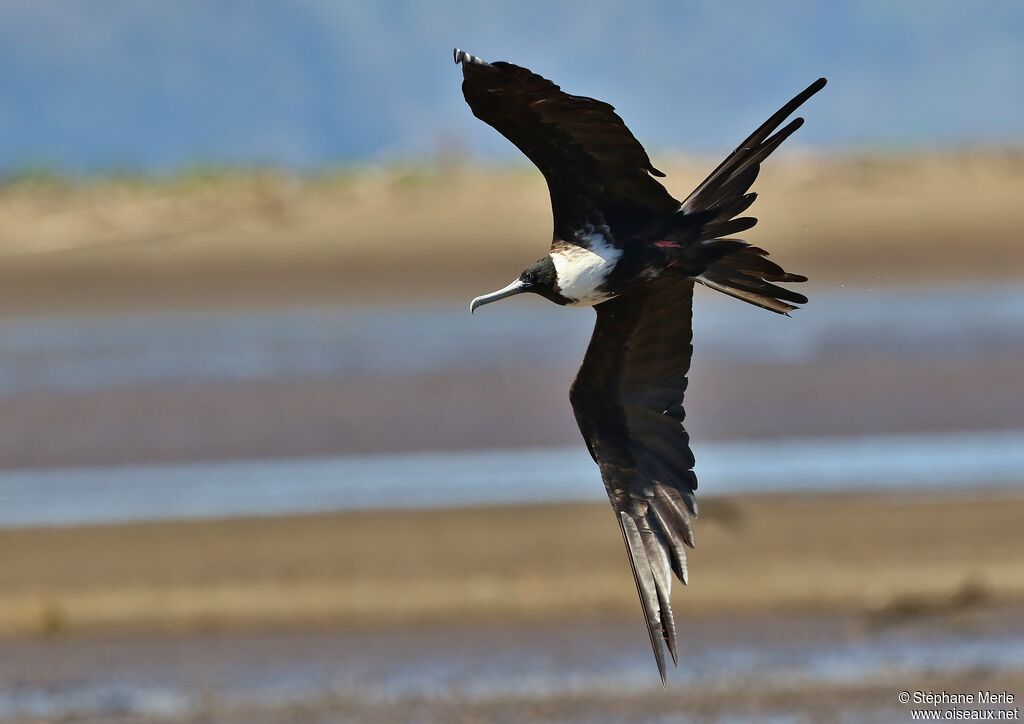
x: 672, y: 650
x: 662, y: 671
x: 634, y: 549
x: 464, y: 58
x: 805, y: 95
x: 659, y: 657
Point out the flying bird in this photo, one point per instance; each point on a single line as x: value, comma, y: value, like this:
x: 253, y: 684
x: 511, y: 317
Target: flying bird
x: 623, y: 245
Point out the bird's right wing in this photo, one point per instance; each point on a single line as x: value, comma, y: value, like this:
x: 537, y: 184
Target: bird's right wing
x: 628, y: 401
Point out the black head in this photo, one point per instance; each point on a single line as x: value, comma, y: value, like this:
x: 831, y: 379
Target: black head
x: 538, y: 278
x: 543, y: 280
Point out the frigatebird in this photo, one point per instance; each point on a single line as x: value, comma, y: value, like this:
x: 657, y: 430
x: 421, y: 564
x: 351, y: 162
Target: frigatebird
x: 623, y: 245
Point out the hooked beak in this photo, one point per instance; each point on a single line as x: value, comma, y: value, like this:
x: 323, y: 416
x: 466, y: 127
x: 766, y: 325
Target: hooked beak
x: 516, y: 287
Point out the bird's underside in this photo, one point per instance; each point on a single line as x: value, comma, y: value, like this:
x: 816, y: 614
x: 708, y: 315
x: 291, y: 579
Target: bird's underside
x: 623, y: 244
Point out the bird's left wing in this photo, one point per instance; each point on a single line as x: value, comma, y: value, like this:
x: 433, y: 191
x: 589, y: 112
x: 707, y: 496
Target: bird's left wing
x: 628, y: 400
x: 597, y: 172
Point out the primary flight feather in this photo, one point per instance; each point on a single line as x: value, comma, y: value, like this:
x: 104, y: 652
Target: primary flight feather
x: 623, y: 245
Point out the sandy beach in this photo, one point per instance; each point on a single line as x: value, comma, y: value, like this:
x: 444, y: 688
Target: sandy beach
x: 216, y: 238
x: 889, y: 556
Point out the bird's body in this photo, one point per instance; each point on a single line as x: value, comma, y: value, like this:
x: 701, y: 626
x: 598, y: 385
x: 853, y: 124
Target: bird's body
x: 622, y: 244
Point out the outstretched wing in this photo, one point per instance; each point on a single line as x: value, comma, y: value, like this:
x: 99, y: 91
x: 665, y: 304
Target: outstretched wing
x: 628, y: 400
x: 597, y: 172
x: 725, y: 188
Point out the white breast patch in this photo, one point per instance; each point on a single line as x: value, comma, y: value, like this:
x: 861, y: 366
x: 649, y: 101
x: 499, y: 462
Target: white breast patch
x: 581, y: 271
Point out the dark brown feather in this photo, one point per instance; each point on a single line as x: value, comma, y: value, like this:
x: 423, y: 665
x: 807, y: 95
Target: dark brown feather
x: 628, y: 400
x: 711, y: 213
x: 596, y: 170
x: 754, y: 149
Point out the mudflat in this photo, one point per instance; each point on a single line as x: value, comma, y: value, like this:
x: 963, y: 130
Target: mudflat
x: 518, y: 612
x: 733, y: 667
x: 884, y: 556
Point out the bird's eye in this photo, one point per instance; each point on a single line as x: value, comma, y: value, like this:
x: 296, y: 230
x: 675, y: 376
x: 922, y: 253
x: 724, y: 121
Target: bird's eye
x: 527, y: 277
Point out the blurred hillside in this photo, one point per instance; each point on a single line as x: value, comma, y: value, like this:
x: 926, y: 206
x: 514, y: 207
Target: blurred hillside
x: 148, y: 85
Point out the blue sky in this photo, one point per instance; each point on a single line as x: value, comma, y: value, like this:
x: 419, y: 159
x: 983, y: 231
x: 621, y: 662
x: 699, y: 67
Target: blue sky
x: 146, y: 85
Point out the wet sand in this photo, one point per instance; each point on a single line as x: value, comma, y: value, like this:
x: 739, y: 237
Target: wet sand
x: 272, y: 382
x: 807, y: 608
x: 317, y: 416
x: 882, y: 555
x: 401, y: 234
x: 750, y: 667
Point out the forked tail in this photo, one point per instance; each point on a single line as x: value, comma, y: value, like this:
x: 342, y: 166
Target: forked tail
x: 748, y: 275
x: 711, y: 213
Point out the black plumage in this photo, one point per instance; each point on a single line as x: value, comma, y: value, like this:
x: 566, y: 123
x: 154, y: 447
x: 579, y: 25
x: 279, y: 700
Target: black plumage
x: 596, y: 170
x: 628, y: 401
x: 623, y: 244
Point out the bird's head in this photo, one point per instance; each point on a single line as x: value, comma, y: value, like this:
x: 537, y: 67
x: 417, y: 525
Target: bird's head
x: 538, y: 278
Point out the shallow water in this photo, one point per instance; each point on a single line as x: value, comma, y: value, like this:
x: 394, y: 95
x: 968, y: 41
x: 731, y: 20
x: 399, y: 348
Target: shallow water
x: 265, y: 412
x: 990, y: 462
x: 74, y: 354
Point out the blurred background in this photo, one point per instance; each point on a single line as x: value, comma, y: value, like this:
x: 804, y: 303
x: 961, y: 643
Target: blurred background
x: 258, y: 463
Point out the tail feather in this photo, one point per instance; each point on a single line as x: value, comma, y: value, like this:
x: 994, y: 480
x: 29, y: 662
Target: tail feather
x: 758, y: 300
x: 754, y: 261
x: 748, y: 275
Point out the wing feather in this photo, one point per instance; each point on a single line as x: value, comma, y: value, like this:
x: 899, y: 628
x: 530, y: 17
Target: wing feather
x: 739, y: 169
x: 646, y: 586
x: 628, y: 401
x: 712, y: 211
x: 596, y: 170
